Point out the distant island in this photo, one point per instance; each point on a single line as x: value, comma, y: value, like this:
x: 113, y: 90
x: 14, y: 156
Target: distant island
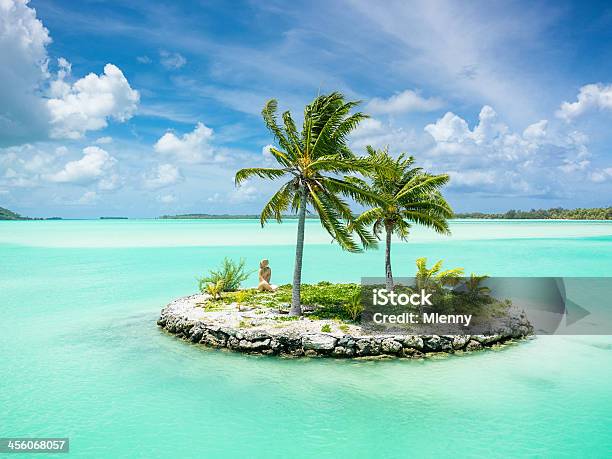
x: 219, y: 216
x: 6, y: 214
x: 555, y: 213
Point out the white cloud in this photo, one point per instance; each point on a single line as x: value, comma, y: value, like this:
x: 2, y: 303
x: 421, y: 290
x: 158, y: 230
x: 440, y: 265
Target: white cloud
x: 449, y: 128
x: 452, y: 135
x: 88, y: 197
x: 454, y: 129
x: 104, y: 140
x: 570, y: 165
x: 492, y: 159
x: 246, y: 192
x: 35, y: 106
x: 164, y: 175
x: 267, y: 156
x: 192, y: 147
x: 93, y: 166
x: 406, y: 101
x: 590, y: 97
x: 167, y: 198
x: 472, y: 177
x: 368, y: 127
x: 536, y: 130
x: 23, y: 66
x: 601, y: 175
x: 171, y: 61
x: 374, y: 132
x: 110, y: 182
x: 87, y: 104
x: 144, y: 59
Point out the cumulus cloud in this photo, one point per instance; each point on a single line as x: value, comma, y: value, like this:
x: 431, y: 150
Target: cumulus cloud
x: 536, y: 130
x: 452, y: 135
x: 570, y: 165
x: 171, y: 61
x: 23, y: 165
x: 449, y: 128
x: 492, y: 159
x: 192, y: 147
x: 164, y: 175
x: 36, y: 104
x: 590, y: 97
x: 23, y: 66
x: 95, y: 164
x: 406, y: 101
x: 88, y: 103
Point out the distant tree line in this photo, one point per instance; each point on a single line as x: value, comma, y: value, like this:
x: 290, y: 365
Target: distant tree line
x: 555, y: 213
x: 221, y: 216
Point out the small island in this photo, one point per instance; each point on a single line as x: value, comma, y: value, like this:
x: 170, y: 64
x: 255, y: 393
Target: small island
x: 255, y: 322
x: 322, y: 178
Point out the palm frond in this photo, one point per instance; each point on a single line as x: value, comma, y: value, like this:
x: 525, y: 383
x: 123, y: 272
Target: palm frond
x: 293, y: 135
x: 423, y: 183
x: 361, y: 195
x: 331, y: 221
x: 278, y: 203
x: 268, y: 114
x: 440, y: 225
x: 261, y: 172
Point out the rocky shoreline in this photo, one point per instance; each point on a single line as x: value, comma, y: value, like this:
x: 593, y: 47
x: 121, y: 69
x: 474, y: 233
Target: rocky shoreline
x: 262, y: 331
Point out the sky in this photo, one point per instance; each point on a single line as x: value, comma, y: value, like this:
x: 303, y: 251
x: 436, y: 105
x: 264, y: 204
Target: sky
x: 144, y: 108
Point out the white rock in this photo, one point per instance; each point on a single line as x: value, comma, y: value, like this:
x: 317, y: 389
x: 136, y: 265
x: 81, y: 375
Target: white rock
x: 319, y: 342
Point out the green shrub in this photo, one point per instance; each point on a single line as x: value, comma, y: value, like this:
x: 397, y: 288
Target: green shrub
x: 242, y: 297
x: 354, y: 307
x: 287, y: 318
x: 231, y: 273
x: 326, y: 328
x: 344, y: 328
x: 214, y: 289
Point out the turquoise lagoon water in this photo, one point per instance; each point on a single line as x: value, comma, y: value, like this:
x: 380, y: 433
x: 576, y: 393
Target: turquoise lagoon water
x: 81, y: 357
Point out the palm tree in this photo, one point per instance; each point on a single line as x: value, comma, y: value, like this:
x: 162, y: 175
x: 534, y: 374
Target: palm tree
x: 313, y: 160
x: 406, y: 195
x: 434, y: 277
x: 474, y: 288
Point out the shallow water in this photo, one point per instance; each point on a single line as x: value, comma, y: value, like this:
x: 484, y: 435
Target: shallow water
x: 81, y: 357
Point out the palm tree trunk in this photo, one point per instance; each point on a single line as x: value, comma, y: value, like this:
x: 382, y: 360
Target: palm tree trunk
x: 388, y: 272
x: 296, y: 306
